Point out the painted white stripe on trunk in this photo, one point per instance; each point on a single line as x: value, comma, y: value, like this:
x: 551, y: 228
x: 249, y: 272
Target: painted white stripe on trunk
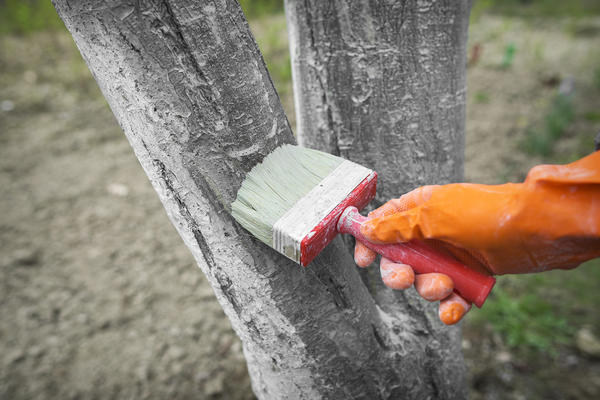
x: 298, y: 221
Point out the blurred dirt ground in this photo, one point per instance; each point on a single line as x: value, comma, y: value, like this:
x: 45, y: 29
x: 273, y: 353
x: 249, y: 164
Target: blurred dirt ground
x: 99, y: 296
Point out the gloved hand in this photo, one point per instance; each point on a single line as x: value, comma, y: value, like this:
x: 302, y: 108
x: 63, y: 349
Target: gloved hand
x: 550, y: 221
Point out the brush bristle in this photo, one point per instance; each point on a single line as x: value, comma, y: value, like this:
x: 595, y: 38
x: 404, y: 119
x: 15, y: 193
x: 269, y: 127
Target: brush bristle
x: 272, y: 187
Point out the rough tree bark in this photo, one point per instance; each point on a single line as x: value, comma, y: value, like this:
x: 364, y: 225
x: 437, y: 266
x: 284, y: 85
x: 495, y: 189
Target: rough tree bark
x: 383, y: 84
x: 188, y: 86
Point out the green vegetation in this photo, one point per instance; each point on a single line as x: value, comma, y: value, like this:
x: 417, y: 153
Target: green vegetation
x: 482, y: 97
x: 592, y: 116
x: 597, y: 77
x: 540, y: 141
x: 526, y: 321
x: 257, y: 8
x: 27, y: 16
x: 538, y: 312
x: 270, y: 33
x: 509, y: 56
x: 536, y: 8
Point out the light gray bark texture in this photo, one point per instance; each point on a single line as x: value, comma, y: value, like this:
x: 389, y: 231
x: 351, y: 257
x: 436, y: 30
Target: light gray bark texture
x: 188, y: 86
x: 383, y: 83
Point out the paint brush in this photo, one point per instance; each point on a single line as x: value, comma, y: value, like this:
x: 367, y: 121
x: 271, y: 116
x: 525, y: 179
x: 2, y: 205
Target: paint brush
x: 297, y: 200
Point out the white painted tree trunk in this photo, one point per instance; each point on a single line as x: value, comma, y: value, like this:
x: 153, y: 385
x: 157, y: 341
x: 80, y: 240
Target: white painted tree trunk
x: 383, y: 84
x: 189, y: 87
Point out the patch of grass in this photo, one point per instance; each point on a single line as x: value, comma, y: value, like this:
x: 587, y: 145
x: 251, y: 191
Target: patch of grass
x: 271, y: 36
x: 597, y: 77
x: 539, y: 312
x: 509, y: 56
x: 27, y: 16
x: 541, y: 141
x: 276, y: 53
x: 482, y: 97
x: 536, y: 8
x: 526, y: 322
x: 592, y: 116
x: 258, y: 8
x: 280, y: 70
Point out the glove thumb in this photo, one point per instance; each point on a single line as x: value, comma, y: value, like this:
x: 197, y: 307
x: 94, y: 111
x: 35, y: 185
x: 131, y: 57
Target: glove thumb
x: 398, y: 219
x: 398, y: 227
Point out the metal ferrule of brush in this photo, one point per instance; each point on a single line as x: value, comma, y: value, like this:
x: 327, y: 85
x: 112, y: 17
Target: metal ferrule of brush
x: 305, y: 220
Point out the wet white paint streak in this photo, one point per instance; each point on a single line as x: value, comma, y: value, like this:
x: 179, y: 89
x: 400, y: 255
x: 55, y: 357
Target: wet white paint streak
x: 294, y: 225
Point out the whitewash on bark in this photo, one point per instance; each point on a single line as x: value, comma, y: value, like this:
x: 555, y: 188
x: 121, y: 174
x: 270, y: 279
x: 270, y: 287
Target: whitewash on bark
x: 187, y: 84
x: 383, y: 83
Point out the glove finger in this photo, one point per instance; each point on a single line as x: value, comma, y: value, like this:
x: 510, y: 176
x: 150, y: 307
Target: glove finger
x: 398, y: 227
x: 394, y: 222
x: 363, y: 256
x: 396, y: 276
x: 388, y: 208
x: 414, y: 198
x: 405, y: 202
x: 453, y: 309
x: 434, y: 286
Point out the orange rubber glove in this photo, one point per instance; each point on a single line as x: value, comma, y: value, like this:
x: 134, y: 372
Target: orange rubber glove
x: 550, y: 221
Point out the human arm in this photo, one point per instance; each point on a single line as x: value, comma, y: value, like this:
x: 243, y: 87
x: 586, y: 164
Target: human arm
x: 550, y: 221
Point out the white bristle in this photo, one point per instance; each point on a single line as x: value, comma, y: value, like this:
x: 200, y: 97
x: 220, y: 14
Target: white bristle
x: 272, y: 187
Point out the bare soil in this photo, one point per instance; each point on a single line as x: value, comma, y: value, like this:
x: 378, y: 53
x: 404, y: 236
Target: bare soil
x: 99, y: 296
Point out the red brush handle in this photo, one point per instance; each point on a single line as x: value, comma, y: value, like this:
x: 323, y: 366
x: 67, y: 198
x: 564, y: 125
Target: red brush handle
x: 470, y: 284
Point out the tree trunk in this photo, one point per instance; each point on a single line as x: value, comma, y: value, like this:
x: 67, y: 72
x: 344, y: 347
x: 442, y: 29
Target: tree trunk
x: 188, y: 86
x: 384, y: 84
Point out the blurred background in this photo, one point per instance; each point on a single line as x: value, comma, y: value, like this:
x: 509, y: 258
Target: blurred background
x: 100, y: 298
